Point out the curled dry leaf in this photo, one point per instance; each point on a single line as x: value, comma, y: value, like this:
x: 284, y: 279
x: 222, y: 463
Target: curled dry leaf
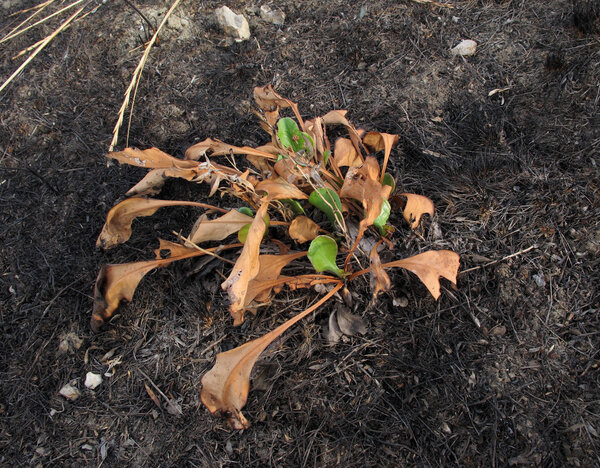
x: 225, y: 387
x: 381, y: 141
x: 291, y: 172
x: 380, y: 281
x: 151, y: 158
x: 361, y: 184
x: 429, y: 266
x: 338, y: 117
x: 279, y: 189
x: 117, y: 228
x: 259, y: 288
x: 270, y: 102
x: 246, y: 267
x: 303, y: 229
x: 219, y: 147
x: 416, y: 206
x: 116, y: 283
x: 203, y: 172
x: 220, y: 228
x: 345, y: 154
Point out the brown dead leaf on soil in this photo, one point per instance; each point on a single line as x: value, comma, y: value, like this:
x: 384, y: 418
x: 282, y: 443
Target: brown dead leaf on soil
x: 429, y: 266
x: 246, y: 267
x: 380, y: 281
x: 151, y: 158
x: 225, y: 387
x: 345, y: 154
x: 416, y: 206
x: 303, y: 229
x: 117, y: 228
x: 279, y: 189
x: 219, y: 228
x: 378, y: 141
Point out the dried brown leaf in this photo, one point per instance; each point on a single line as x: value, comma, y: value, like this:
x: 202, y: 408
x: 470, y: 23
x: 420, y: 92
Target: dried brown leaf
x: 270, y: 102
x: 225, y: 387
x: 246, y: 267
x: 381, y: 141
x: 219, y: 147
x: 416, y: 206
x: 361, y: 184
x: 219, y: 228
x: 117, y: 228
x: 279, y: 189
x: 380, y: 281
x: 429, y: 266
x: 303, y: 229
x: 151, y: 158
x: 259, y: 288
x: 116, y: 283
x: 345, y: 154
x: 152, y: 395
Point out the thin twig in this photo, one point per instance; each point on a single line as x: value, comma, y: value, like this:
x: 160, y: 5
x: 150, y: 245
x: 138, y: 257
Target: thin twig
x: 534, y: 246
x: 137, y: 74
x: 197, y: 247
x: 40, y: 48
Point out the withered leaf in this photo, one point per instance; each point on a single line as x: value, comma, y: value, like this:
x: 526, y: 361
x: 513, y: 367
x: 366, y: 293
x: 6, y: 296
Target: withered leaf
x: 219, y: 228
x: 416, y: 206
x: 219, y: 147
x: 303, y: 229
x: 429, y: 266
x: 151, y: 158
x: 269, y: 270
x: 225, y: 387
x: 116, y: 283
x: 117, y: 228
x: 345, y: 154
x: 246, y: 267
x: 279, y: 189
x: 378, y: 141
x: 380, y: 281
x: 270, y: 102
x: 361, y: 184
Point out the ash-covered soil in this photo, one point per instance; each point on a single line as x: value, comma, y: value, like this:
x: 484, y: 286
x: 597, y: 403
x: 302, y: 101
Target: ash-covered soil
x: 502, y: 371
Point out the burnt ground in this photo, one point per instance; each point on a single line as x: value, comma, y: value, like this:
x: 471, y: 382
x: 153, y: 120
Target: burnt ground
x: 501, y: 372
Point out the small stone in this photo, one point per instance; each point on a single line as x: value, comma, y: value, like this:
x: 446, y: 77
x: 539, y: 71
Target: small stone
x: 465, y: 48
x: 273, y: 16
x: 400, y: 301
x: 232, y: 24
x: 70, y: 392
x: 86, y: 447
x: 539, y: 280
x: 92, y: 380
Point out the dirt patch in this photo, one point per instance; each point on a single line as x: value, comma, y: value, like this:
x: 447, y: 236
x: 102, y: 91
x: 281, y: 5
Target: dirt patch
x: 501, y: 372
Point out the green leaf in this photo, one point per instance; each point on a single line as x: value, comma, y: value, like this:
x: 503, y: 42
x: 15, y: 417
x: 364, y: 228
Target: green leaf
x: 243, y: 233
x: 294, y: 206
x: 326, y: 155
x: 247, y: 211
x: 322, y: 253
x: 289, y: 134
x: 389, y: 180
x: 383, y: 217
x: 329, y: 203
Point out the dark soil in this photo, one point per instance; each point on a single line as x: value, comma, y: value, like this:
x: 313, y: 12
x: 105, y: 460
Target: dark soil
x: 501, y: 372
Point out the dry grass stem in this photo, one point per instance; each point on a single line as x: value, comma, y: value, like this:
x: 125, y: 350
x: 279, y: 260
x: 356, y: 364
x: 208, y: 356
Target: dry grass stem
x: 43, y: 20
x: 41, y: 47
x: 135, y: 79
